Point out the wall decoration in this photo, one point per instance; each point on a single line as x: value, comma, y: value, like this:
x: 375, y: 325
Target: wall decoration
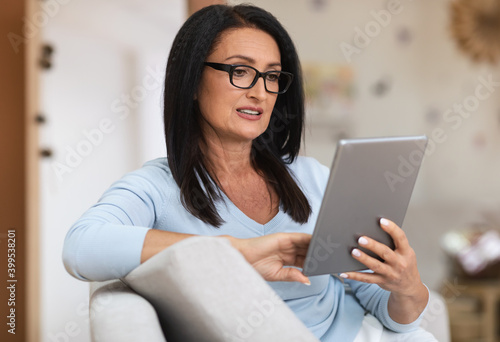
x: 433, y: 116
x: 475, y: 26
x: 382, y: 86
x: 318, y: 5
x: 329, y: 91
x: 404, y: 36
x: 480, y: 141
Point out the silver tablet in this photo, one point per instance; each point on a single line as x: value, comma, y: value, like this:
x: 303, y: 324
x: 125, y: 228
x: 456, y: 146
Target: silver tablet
x: 369, y: 179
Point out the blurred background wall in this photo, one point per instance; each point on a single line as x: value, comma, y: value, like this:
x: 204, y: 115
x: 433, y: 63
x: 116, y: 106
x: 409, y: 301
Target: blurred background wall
x: 405, y: 75
x: 101, y: 103
x: 395, y: 74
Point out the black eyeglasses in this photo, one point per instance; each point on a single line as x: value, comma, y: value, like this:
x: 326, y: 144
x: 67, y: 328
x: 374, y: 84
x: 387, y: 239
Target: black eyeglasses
x: 245, y: 77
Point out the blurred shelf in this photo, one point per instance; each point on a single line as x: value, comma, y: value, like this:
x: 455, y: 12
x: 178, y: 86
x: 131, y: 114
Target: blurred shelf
x: 474, y: 309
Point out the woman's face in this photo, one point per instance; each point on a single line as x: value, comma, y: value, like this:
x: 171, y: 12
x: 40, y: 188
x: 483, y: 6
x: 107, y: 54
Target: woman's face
x: 231, y: 114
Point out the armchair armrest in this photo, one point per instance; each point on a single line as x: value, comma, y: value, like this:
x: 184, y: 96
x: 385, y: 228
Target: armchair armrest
x: 118, y: 314
x: 436, y: 319
x: 204, y: 290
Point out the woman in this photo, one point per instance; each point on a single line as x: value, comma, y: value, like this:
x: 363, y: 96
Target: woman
x: 234, y: 113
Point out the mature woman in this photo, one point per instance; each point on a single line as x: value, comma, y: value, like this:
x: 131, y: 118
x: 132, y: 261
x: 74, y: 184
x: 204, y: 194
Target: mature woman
x: 234, y: 111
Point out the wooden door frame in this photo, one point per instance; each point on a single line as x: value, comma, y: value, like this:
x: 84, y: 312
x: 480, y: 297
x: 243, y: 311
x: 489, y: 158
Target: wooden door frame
x: 32, y: 176
x: 19, y: 173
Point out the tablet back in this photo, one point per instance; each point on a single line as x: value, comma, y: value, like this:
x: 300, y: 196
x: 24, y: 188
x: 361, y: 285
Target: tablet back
x: 369, y: 179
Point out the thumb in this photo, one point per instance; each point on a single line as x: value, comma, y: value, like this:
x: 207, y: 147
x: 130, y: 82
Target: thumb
x: 293, y: 274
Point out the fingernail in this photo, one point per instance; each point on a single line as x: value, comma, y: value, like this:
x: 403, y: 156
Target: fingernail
x: 362, y: 241
x: 384, y: 222
x: 343, y: 275
x: 356, y: 252
x: 308, y: 283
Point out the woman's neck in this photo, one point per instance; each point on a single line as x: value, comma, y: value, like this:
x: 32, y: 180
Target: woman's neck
x: 227, y: 158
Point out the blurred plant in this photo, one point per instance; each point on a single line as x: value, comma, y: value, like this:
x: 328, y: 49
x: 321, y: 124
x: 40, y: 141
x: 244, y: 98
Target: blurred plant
x: 475, y: 251
x: 475, y: 25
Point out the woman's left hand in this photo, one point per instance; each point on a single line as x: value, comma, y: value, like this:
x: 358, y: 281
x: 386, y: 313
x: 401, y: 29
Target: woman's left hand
x: 398, y: 273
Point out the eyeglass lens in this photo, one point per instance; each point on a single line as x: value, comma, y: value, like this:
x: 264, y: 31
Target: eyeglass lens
x: 275, y: 81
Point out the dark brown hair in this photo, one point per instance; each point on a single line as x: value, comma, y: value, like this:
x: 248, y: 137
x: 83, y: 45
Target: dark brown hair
x: 278, y: 146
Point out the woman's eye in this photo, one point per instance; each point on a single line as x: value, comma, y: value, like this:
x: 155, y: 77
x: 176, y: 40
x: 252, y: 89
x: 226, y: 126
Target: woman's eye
x: 272, y: 77
x: 240, y: 72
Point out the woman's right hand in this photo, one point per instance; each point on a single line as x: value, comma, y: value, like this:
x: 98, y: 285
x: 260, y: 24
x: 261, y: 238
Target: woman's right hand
x: 269, y: 254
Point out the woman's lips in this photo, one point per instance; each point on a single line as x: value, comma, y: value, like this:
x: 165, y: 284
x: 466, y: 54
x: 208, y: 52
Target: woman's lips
x: 249, y: 113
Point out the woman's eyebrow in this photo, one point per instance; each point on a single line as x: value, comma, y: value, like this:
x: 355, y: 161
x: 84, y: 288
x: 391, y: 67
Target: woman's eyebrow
x: 251, y: 60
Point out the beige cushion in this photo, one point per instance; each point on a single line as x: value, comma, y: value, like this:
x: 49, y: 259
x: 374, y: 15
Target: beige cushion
x: 204, y: 290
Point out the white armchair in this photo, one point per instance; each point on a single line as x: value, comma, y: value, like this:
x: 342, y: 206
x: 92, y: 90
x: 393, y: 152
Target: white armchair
x: 210, y: 293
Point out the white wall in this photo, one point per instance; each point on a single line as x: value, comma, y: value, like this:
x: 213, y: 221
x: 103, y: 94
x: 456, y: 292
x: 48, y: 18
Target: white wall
x: 458, y: 180
x: 102, y: 100
x: 130, y: 40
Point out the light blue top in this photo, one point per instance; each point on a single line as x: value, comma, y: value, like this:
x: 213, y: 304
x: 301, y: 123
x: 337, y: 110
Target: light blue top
x: 106, y: 243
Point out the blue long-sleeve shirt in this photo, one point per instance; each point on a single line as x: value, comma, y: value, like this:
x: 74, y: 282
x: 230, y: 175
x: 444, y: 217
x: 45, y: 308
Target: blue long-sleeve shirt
x: 106, y: 243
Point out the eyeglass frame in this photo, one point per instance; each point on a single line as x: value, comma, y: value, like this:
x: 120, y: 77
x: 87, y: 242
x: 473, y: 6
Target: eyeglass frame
x: 229, y: 68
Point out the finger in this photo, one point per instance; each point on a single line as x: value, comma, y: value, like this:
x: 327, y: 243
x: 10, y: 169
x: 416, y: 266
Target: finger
x: 292, y: 241
x: 370, y: 278
x: 301, y: 252
x: 293, y: 259
x: 293, y: 274
x: 370, y: 262
x: 301, y: 240
x: 299, y: 261
x: 291, y: 254
x: 396, y: 233
x: 383, y: 251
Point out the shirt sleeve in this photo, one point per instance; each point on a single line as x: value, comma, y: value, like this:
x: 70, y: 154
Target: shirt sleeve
x: 106, y: 242
x: 375, y: 300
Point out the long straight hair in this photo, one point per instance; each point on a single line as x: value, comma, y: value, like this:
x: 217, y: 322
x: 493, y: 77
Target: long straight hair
x: 278, y: 146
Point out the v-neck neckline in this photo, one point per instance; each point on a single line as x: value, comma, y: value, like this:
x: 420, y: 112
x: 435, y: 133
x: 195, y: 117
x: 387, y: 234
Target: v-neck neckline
x: 261, y: 229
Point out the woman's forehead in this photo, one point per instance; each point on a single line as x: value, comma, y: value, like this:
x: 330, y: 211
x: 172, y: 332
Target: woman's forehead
x: 252, y: 43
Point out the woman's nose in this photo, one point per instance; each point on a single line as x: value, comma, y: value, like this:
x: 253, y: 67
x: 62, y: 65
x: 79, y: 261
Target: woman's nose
x: 258, y: 90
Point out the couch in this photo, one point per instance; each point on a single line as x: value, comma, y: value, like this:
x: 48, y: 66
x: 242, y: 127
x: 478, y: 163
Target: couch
x: 210, y: 293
